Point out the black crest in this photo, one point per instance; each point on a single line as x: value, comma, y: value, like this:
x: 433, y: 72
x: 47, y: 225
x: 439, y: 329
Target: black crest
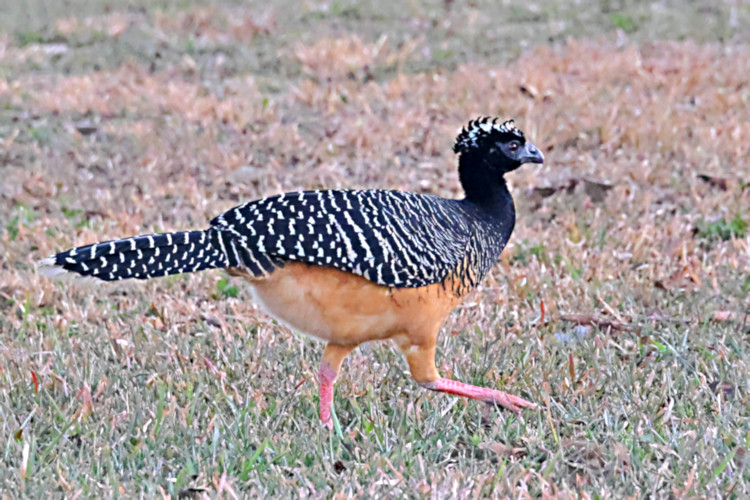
x: 476, y: 133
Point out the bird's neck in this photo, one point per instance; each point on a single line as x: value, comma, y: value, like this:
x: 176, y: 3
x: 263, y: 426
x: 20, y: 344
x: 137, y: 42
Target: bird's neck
x: 485, y: 188
x: 490, y: 211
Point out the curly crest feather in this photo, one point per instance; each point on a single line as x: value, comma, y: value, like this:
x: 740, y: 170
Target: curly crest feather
x: 476, y: 134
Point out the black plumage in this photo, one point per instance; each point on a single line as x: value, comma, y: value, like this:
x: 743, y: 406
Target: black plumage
x: 392, y: 238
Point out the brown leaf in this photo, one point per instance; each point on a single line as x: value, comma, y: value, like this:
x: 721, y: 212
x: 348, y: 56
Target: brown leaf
x: 725, y: 388
x: 503, y: 449
x: 742, y: 320
x: 722, y: 316
x: 537, y: 194
x: 528, y: 90
x: 545, y: 192
x: 596, y: 190
x: 192, y: 492
x: 86, y: 127
x: 87, y: 402
x: 715, y: 181
x: 602, y: 323
x: 661, y: 285
x: 677, y: 280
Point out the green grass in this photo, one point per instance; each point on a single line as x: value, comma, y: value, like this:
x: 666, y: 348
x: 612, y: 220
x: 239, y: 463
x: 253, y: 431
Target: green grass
x: 183, y: 387
x: 638, y: 419
x: 722, y: 229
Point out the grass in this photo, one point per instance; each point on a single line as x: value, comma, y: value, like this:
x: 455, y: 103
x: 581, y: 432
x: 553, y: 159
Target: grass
x: 722, y: 229
x: 619, y: 305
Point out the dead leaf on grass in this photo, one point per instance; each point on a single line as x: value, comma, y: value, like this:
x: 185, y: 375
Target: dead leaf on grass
x: 725, y: 388
x: 537, y: 194
x: 87, y: 403
x: 192, y: 492
x: 596, y: 190
x: 602, y: 323
x: 677, y: 280
x: 85, y: 127
x: 503, y: 449
x: 715, y: 181
x: 742, y: 320
x: 721, y: 316
x: 528, y: 90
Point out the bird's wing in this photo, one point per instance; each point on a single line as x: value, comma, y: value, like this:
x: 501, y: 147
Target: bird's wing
x: 392, y: 238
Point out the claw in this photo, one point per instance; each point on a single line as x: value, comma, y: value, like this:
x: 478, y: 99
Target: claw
x: 511, y: 402
x: 327, y: 423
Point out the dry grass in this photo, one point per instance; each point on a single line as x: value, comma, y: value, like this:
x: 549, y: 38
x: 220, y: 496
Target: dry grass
x: 639, y: 264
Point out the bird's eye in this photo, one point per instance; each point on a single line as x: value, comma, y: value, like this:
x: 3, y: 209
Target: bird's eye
x: 513, y: 146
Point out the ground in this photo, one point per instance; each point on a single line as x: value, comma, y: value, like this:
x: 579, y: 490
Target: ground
x: 618, y: 305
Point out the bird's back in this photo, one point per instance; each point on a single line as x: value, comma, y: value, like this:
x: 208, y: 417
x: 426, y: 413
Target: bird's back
x: 391, y: 238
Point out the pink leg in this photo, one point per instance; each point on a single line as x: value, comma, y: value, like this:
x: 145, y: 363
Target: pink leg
x: 422, y: 366
x: 326, y: 379
x: 481, y: 393
x: 329, y: 369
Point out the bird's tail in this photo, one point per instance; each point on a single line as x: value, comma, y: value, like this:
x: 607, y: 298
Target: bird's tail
x: 146, y: 256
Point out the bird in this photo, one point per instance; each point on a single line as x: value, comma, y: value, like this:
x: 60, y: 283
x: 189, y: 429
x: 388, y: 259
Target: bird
x: 350, y: 266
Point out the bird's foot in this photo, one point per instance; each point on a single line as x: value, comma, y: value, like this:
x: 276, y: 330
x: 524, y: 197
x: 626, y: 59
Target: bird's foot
x: 490, y: 396
x: 509, y: 401
x: 327, y: 422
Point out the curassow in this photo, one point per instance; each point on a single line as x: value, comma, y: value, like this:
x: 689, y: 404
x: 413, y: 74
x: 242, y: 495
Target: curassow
x: 350, y: 266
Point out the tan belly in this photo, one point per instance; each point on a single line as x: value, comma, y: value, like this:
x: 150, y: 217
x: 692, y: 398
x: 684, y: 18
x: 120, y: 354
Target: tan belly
x: 347, y: 309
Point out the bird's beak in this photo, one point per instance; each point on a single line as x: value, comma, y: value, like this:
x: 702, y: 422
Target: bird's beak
x: 531, y: 154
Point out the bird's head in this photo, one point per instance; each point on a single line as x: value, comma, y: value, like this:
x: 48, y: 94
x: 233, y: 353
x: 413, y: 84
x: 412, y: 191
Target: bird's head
x: 499, y: 146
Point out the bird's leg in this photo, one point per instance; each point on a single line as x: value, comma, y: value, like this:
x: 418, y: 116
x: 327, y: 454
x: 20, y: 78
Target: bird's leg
x: 422, y: 366
x: 329, y: 369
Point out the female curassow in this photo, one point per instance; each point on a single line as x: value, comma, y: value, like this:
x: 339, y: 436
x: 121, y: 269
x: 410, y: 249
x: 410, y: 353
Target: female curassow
x: 350, y: 266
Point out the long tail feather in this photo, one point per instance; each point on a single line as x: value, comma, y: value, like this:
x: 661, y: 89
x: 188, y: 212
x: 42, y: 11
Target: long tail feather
x: 146, y: 256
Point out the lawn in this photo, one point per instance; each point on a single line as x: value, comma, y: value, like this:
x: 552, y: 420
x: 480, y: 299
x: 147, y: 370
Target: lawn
x: 619, y: 306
